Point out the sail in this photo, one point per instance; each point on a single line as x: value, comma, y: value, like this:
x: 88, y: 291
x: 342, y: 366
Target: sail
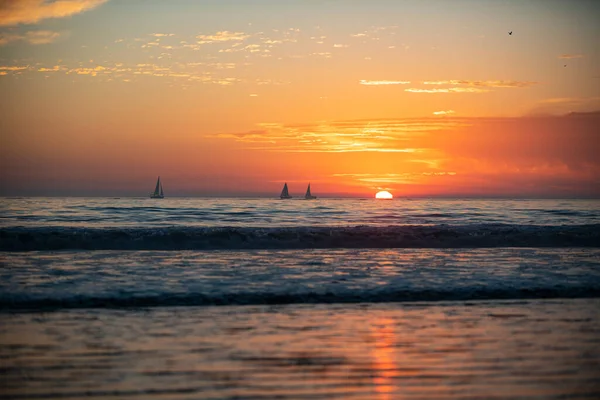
x: 284, y: 193
x: 156, y: 189
x: 308, y: 195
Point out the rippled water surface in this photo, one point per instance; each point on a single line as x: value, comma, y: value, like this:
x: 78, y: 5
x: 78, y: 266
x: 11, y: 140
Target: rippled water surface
x: 38, y: 280
x: 527, y: 349
x: 269, y: 299
x: 136, y: 212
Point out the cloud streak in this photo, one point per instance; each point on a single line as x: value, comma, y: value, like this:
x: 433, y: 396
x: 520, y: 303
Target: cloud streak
x: 31, y: 37
x: 221, y: 37
x: 489, y: 84
x: 33, y: 11
x: 386, y: 136
x: 376, y: 83
x: 570, y: 56
x: 184, y: 73
x: 447, y: 90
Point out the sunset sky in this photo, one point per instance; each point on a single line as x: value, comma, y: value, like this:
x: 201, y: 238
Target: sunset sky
x: 227, y: 98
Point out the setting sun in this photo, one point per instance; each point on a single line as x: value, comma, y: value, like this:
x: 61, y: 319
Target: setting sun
x: 384, y: 195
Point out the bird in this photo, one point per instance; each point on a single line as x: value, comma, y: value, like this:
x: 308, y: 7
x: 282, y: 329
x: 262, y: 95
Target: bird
x: 510, y: 33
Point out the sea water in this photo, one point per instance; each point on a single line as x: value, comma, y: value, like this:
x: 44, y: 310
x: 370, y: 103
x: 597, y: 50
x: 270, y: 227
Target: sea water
x: 333, y: 298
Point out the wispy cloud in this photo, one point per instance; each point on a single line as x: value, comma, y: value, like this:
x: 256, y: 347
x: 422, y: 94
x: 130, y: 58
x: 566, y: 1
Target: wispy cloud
x: 182, y: 73
x: 491, y: 84
x: 374, y: 83
x: 447, y: 112
x: 447, y: 90
x: 562, y: 105
x: 324, y: 54
x: 402, y: 178
x: 14, y: 12
x: 471, y: 86
x: 222, y: 36
x: 13, y: 69
x: 162, y: 34
x: 570, y: 56
x: 526, y: 155
x: 31, y: 37
x: 387, y: 136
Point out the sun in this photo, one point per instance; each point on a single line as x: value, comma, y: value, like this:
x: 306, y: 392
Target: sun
x: 384, y: 195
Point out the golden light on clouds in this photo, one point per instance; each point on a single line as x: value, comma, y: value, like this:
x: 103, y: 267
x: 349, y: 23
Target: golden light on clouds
x: 570, y: 56
x: 222, y: 36
x: 491, y: 84
x: 375, y: 83
x: 31, y: 37
x: 447, y: 90
x: 357, y: 107
x: 33, y: 11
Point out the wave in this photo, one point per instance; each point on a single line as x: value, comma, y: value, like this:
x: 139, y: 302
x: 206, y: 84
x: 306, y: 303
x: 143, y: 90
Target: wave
x: 233, y: 238
x: 22, y: 303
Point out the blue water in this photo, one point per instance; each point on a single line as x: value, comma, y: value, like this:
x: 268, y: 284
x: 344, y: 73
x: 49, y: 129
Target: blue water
x: 333, y: 298
x: 195, y: 212
x: 84, y: 252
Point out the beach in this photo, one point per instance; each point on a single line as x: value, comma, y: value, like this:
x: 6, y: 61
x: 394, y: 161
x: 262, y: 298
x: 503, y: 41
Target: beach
x: 500, y: 349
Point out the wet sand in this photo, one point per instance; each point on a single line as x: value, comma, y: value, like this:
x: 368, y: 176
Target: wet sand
x: 446, y: 350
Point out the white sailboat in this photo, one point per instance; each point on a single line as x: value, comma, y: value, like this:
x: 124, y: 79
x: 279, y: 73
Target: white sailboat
x: 284, y: 193
x: 309, y: 196
x: 158, y: 191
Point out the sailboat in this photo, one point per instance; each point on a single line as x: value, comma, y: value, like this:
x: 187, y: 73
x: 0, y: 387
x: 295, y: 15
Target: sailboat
x: 284, y: 193
x: 309, y: 196
x: 158, y: 191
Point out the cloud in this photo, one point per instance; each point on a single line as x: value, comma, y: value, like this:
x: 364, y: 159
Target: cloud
x: 447, y: 112
x: 324, y: 54
x: 563, y: 105
x: 162, y: 34
x: 447, y: 90
x: 172, y: 73
x: 13, y: 68
x: 472, y: 86
x: 222, y: 36
x: 14, y: 12
x: 492, y: 84
x: 570, y: 56
x: 31, y: 37
x: 374, y: 83
x: 547, y: 155
x: 386, y: 136
x: 402, y: 178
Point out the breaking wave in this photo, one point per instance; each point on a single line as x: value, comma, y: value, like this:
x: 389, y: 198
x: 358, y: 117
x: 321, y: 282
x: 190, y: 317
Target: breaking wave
x: 279, y: 298
x: 233, y: 238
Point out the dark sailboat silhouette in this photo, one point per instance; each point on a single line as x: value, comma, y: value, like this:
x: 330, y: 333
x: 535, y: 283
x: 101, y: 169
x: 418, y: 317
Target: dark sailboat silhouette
x: 308, y: 195
x: 285, y: 194
x: 158, y: 191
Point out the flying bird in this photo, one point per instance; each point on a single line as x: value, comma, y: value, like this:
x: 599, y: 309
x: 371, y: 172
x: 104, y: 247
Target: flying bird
x: 510, y: 33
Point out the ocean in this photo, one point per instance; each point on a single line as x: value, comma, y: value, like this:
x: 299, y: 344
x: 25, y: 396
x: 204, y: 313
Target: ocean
x: 191, y: 298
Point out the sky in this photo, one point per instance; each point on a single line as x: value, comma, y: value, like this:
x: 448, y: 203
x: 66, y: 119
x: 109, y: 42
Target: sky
x: 236, y: 97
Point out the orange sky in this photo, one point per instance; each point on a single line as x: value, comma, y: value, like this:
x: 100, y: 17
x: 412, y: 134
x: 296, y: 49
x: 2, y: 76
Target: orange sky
x: 421, y: 98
